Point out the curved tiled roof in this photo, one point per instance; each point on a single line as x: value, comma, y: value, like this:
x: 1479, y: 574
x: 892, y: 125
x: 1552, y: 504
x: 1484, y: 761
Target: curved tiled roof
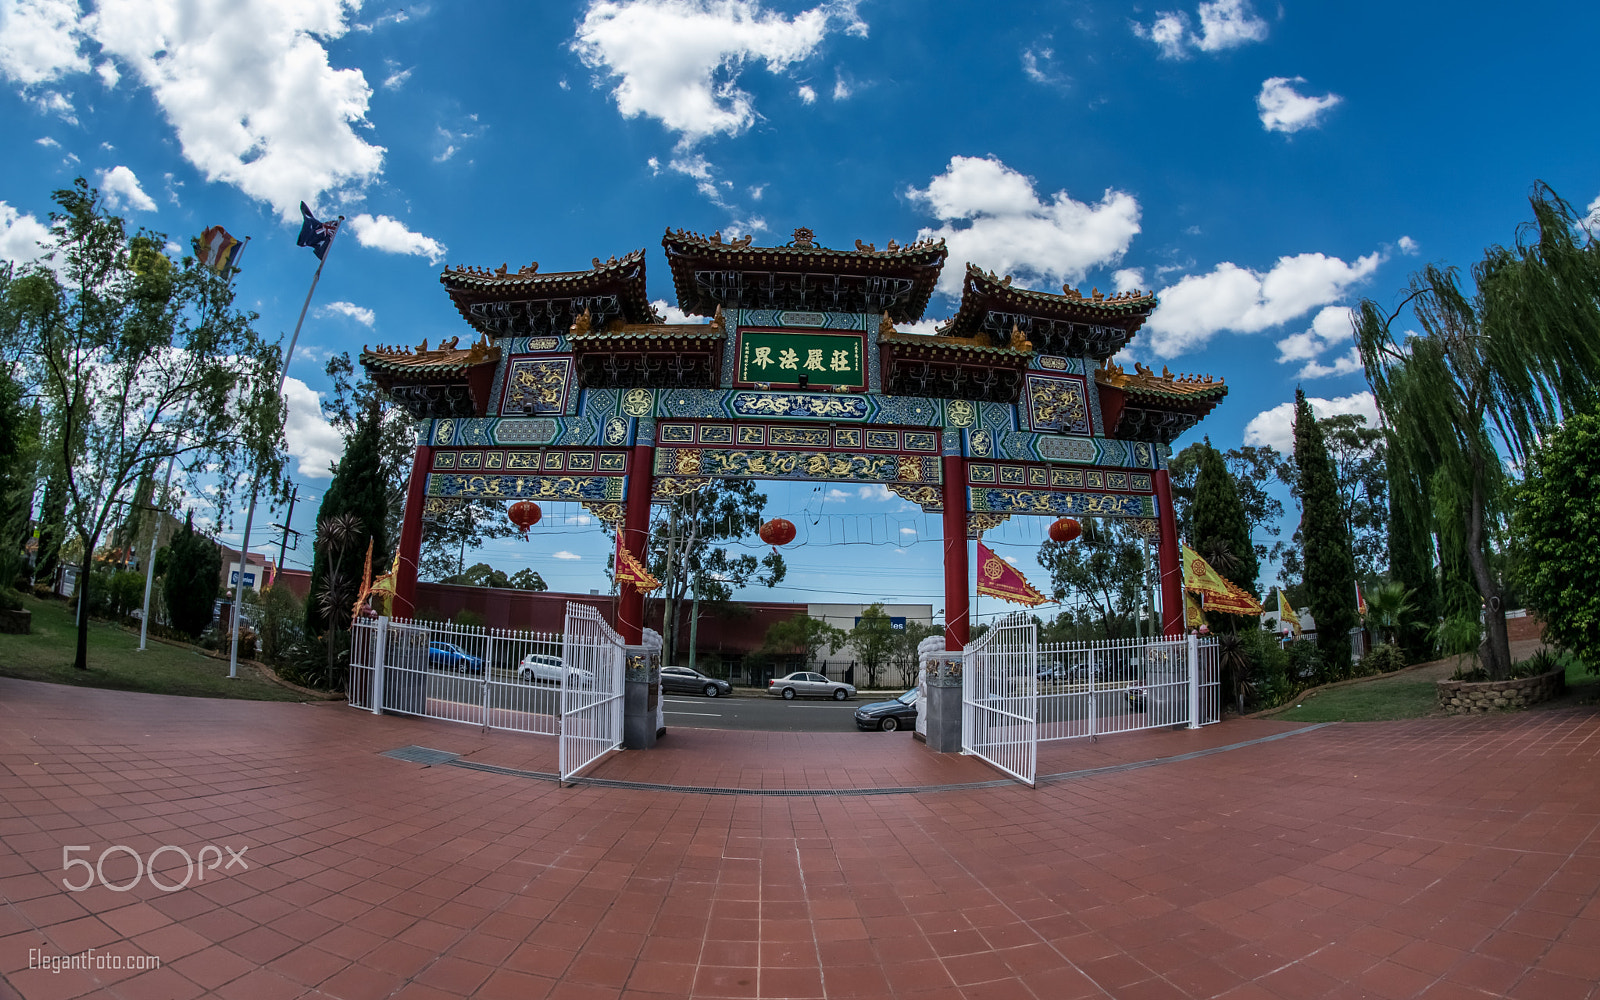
x: 1166, y: 387
x: 983, y: 291
x: 446, y: 359
x: 621, y: 276
x: 955, y: 345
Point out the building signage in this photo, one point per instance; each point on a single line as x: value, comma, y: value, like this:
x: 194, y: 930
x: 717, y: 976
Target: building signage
x: 784, y: 357
x: 249, y: 579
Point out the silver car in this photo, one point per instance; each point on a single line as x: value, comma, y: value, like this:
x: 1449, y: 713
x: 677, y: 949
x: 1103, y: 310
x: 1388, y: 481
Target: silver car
x: 549, y: 669
x: 804, y: 683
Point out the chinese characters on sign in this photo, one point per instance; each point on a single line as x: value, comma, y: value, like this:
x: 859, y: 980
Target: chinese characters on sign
x: 782, y: 358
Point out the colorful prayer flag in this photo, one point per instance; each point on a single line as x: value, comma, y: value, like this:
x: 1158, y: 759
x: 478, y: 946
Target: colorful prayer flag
x: 629, y: 570
x: 1361, y: 602
x: 998, y: 578
x: 218, y: 250
x: 1217, y: 593
x: 1193, y: 617
x: 1286, y: 614
x: 314, y: 234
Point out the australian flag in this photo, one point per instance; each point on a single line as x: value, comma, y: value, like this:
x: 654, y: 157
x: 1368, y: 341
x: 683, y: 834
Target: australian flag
x: 314, y: 234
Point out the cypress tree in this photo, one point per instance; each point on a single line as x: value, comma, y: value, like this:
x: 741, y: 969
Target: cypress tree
x: 1221, y: 529
x: 1411, y: 555
x: 1330, y: 577
x: 357, y: 490
x: 193, y: 567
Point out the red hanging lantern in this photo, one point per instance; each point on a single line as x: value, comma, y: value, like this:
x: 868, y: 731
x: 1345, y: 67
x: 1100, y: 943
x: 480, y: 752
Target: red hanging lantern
x: 1065, y: 530
x: 525, y: 514
x: 777, y: 532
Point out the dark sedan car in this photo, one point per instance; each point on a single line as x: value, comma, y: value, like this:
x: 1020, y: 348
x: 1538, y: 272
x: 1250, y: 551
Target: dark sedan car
x: 900, y: 713
x: 687, y: 681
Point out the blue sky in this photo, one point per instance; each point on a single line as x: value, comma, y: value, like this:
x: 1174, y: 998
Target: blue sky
x: 1260, y: 166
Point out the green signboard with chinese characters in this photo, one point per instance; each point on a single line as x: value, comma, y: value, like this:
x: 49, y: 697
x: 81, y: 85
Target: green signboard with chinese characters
x: 782, y: 357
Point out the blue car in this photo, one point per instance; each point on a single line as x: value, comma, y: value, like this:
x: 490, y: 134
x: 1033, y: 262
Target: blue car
x: 448, y: 656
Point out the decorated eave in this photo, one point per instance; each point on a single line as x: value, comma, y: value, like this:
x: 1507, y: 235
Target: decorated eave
x: 802, y: 275
x: 525, y: 303
x: 1144, y: 406
x: 952, y: 367
x: 651, y: 355
x: 1070, y: 324
x: 447, y: 381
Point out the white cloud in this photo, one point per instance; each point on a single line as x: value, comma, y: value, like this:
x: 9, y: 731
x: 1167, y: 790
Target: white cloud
x: 361, y: 314
x: 876, y: 491
x: 1345, y: 364
x: 1331, y: 326
x: 837, y: 494
x: 564, y: 555
x: 1592, y: 220
x: 1011, y: 231
x: 1284, y: 109
x: 672, y: 314
x: 1275, y: 427
x: 391, y: 236
x: 121, y: 188
x: 20, y: 236
x: 109, y: 74
x: 249, y: 90
x: 314, y: 442
x: 40, y: 41
x: 922, y: 327
x: 1224, y: 24
x: 1409, y: 247
x: 47, y: 142
x: 908, y: 531
x: 1129, y: 279
x: 842, y: 88
x: 53, y: 102
x: 1235, y: 298
x: 1038, y: 65
x: 678, y: 61
x: 1011, y: 559
x: 398, y: 78
x: 808, y: 94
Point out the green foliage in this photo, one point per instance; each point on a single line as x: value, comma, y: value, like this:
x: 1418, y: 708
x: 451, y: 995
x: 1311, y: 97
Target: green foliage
x: 1390, y: 611
x: 1221, y: 531
x: 1307, y: 666
x: 1264, y: 681
x: 484, y: 575
x: 1253, y: 468
x: 1411, y: 556
x: 469, y: 618
x: 903, y: 654
x: 1330, y: 579
x: 194, y: 564
x: 279, y: 625
x: 350, y: 403
x: 1556, y: 521
x: 1384, y: 658
x: 354, y: 510
x: 1100, y: 570
x: 1459, y: 636
x: 801, y: 637
x: 873, y: 640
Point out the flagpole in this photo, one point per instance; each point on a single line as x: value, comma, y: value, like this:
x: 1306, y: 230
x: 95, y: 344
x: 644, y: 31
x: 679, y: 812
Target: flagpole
x: 244, y: 543
x: 155, y: 536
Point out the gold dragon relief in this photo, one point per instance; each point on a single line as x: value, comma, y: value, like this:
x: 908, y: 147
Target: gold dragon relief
x: 1057, y: 404
x: 810, y: 465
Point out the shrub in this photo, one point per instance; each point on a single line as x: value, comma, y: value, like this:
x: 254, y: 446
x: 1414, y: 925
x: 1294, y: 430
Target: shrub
x: 1305, y: 662
x: 281, y: 618
x: 1266, y: 683
x: 468, y: 618
x: 1383, y: 658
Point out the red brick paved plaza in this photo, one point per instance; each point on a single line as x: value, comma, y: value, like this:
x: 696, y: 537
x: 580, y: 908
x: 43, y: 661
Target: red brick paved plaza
x: 1436, y: 859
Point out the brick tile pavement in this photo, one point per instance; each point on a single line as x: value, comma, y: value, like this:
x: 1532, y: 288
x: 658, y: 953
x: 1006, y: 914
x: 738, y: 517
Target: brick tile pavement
x: 1434, y: 859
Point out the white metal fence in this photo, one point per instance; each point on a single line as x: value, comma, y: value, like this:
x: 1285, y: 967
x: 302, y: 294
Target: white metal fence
x: 568, y: 685
x: 592, y: 689
x: 999, y: 697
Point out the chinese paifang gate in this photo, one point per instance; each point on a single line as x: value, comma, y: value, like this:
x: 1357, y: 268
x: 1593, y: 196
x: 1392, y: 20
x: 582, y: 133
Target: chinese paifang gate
x: 572, y: 388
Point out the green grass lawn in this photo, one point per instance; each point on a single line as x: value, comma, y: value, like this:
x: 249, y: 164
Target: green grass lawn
x: 115, y: 661
x: 1383, y: 698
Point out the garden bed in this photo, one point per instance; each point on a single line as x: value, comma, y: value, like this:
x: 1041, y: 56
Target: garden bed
x: 1468, y: 697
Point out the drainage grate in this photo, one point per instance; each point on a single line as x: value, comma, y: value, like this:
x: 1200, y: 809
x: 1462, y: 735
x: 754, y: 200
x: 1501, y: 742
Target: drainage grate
x: 421, y: 755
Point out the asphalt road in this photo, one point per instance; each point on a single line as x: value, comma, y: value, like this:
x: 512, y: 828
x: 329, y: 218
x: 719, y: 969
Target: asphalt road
x: 771, y: 714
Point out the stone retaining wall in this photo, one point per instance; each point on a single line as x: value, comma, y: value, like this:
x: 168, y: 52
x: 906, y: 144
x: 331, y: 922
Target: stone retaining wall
x: 1466, y: 697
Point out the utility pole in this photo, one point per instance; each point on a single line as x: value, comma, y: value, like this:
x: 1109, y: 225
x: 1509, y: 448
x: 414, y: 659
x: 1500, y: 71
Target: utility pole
x: 669, y: 651
x: 288, y: 519
x: 694, y: 621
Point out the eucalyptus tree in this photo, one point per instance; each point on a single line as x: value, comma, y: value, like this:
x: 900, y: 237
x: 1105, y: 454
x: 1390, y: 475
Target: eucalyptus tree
x: 1101, y: 570
x: 136, y: 357
x: 1491, y: 369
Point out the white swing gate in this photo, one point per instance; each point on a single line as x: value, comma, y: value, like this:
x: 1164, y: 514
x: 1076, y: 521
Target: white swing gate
x: 1000, y: 697
x: 592, y: 690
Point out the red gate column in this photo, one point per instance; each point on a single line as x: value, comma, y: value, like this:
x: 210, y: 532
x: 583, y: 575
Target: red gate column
x: 635, y: 538
x: 1172, y: 616
x: 405, y: 572
x: 957, y: 627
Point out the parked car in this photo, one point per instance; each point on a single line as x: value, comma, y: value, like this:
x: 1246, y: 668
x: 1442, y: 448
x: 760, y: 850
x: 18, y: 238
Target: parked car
x: 449, y: 656
x: 542, y: 667
x: 688, y: 681
x: 897, y: 713
x: 804, y: 683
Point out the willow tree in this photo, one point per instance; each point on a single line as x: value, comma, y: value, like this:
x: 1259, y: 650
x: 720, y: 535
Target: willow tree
x: 136, y: 358
x: 1491, y: 369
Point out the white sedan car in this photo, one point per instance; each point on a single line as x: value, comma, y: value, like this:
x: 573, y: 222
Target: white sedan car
x: 805, y: 683
x: 537, y: 667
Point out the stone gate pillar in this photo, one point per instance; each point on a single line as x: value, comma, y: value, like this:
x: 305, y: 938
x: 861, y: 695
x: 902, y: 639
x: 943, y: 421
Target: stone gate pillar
x: 957, y: 626
x: 410, y: 548
x: 635, y: 537
x: 1172, y: 616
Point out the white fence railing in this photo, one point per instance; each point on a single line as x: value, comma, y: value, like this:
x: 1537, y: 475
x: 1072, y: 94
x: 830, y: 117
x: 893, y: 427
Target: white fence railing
x: 999, y: 688
x: 592, y: 694
x: 493, y: 678
x: 1123, y: 685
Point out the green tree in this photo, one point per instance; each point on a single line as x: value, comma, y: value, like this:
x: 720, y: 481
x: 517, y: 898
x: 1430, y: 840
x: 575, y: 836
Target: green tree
x: 903, y: 654
x: 451, y: 528
x: 873, y: 640
x: 1255, y: 468
x: 191, y: 568
x: 1557, y: 527
x: 19, y: 456
x: 1101, y: 569
x: 1221, y: 531
x: 801, y: 637
x: 1410, y: 557
x: 136, y: 358
x: 1330, y: 573
x: 484, y: 575
x: 357, y: 497
x: 349, y: 405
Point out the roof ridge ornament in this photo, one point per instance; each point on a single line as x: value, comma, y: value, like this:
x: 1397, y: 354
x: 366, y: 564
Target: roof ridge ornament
x: 804, y: 239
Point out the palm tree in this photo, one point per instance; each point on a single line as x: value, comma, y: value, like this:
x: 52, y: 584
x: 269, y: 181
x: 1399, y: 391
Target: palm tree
x: 1389, y: 608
